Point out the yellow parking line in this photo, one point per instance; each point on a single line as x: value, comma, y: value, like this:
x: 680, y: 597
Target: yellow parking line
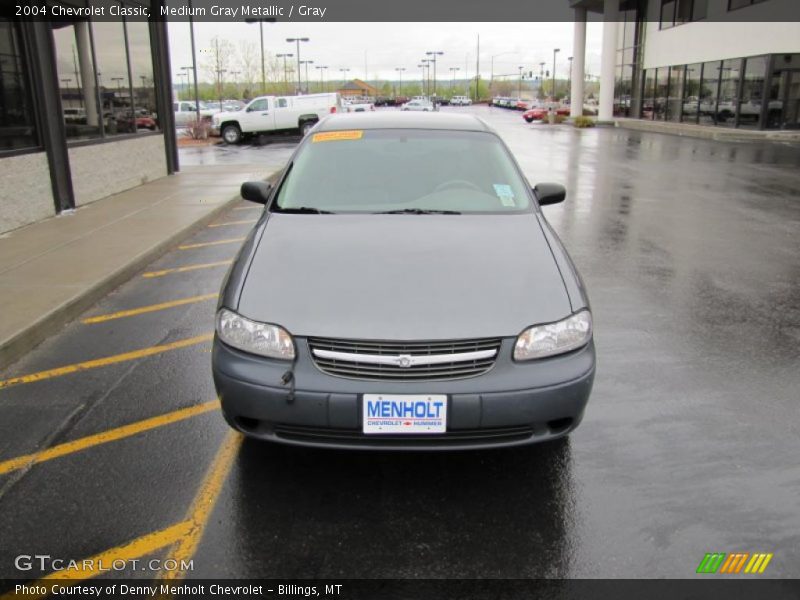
x: 103, y: 362
x: 105, y: 437
x: 244, y: 222
x: 203, y: 504
x: 146, y: 309
x: 204, y: 244
x: 99, y: 564
x: 163, y: 272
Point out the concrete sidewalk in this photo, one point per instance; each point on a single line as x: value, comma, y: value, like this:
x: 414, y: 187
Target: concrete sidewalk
x: 53, y: 270
x: 720, y: 134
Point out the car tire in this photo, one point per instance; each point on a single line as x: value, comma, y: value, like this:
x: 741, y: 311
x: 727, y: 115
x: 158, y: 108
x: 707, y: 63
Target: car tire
x: 306, y: 126
x: 231, y: 134
x: 527, y: 120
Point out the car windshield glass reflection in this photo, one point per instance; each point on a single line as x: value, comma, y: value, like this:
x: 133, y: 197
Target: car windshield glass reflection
x: 405, y: 172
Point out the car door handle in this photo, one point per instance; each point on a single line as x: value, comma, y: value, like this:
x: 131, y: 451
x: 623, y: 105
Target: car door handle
x: 264, y: 114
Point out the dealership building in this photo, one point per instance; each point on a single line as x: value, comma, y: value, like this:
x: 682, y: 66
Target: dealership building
x: 85, y: 112
x: 720, y: 63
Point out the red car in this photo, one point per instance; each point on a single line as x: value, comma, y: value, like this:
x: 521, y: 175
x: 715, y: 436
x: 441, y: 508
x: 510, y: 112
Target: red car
x: 537, y: 114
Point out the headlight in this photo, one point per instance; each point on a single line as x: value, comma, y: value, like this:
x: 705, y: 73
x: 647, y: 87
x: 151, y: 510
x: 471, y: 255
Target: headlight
x: 257, y: 338
x: 556, y: 338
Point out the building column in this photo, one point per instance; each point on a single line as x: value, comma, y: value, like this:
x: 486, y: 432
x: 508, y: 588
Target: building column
x: 87, y: 72
x: 608, y: 60
x: 578, y: 62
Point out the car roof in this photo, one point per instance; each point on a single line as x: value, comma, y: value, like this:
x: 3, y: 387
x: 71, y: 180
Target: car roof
x: 402, y: 120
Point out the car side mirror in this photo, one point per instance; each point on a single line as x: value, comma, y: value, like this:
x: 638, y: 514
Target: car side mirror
x: 256, y: 191
x: 549, y: 193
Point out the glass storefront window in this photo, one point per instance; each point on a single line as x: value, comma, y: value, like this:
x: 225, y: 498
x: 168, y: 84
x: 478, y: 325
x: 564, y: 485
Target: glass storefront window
x: 660, y: 97
x: 728, y: 92
x: 73, y: 53
x: 675, y: 98
x: 17, y: 129
x: 708, y: 93
x: 691, y: 93
x: 144, y: 91
x: 783, y: 110
x: 112, y: 75
x: 648, y: 94
x: 752, y: 98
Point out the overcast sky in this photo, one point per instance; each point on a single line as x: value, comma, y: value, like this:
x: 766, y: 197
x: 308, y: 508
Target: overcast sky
x: 389, y: 45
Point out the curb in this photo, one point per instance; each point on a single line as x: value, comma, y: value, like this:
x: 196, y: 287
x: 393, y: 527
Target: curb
x: 15, y: 347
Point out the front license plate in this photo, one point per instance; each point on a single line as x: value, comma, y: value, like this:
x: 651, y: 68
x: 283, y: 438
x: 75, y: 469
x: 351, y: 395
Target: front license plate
x: 387, y: 413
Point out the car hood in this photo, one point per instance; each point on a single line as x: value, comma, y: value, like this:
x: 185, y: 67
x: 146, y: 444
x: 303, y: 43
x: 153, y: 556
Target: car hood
x: 403, y: 277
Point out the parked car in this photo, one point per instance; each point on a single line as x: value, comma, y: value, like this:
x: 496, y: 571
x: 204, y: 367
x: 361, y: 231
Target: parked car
x: 186, y: 112
x: 460, y: 101
x: 418, y: 105
x: 359, y: 107
x: 522, y: 104
x: 403, y: 290
x: 539, y: 113
x: 75, y: 115
x: 275, y: 113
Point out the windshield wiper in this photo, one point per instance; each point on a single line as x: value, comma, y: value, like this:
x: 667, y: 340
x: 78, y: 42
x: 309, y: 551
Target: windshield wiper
x: 308, y: 210
x: 417, y: 211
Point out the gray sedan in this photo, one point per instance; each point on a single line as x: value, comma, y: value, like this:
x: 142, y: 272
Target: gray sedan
x: 402, y: 290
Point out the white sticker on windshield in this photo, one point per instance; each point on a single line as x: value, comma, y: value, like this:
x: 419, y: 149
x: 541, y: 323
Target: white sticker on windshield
x: 505, y: 193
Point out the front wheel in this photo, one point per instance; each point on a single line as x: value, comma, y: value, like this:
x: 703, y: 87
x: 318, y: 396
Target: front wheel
x: 307, y: 126
x: 231, y: 134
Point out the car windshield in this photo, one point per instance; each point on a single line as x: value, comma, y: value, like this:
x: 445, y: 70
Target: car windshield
x: 403, y: 170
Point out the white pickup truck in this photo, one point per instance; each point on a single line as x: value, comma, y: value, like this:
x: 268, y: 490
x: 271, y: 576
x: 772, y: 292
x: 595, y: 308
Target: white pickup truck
x: 275, y: 113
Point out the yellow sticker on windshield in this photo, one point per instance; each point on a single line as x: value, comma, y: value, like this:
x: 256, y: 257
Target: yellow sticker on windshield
x: 335, y: 136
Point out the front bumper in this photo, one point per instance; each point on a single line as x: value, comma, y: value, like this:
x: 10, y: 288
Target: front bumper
x: 512, y: 404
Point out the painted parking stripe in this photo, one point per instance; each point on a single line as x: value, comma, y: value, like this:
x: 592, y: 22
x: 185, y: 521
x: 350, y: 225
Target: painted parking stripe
x: 204, y: 244
x: 105, y: 361
x: 90, y: 567
x: 249, y: 208
x: 203, y: 504
x: 104, y: 437
x: 163, y: 272
x: 226, y: 223
x: 147, y: 309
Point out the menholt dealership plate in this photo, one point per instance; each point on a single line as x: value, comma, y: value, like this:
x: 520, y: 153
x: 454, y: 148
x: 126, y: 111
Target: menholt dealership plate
x: 391, y: 413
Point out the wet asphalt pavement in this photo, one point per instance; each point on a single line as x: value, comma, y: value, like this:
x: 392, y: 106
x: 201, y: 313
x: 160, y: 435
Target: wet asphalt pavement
x: 690, y: 251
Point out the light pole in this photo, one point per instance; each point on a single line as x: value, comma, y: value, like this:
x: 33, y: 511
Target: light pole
x: 306, y: 63
x: 297, y: 41
x: 427, y: 62
x: 553, y: 91
x: 285, y: 70
x: 236, y: 81
x: 344, y: 73
x: 219, y: 85
x: 519, y: 89
x: 491, y: 75
x: 569, y: 81
x: 400, y: 73
x: 453, y: 70
x: 261, y: 34
x: 321, y: 71
x: 422, y: 85
x: 541, y: 80
x: 434, y: 53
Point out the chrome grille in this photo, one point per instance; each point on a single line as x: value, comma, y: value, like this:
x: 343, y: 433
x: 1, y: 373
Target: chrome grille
x: 378, y: 360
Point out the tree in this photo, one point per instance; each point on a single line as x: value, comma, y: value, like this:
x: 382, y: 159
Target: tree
x: 217, y: 60
x: 249, y: 65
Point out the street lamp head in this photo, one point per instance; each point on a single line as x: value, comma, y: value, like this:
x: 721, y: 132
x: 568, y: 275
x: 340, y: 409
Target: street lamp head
x: 556, y: 49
